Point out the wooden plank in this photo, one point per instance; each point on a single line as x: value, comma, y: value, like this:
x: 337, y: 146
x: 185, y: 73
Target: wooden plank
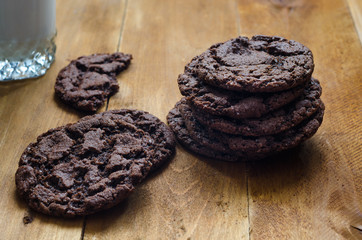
x: 189, y: 198
x: 312, y: 191
x: 29, y: 108
x: 316, y: 189
x: 355, y: 8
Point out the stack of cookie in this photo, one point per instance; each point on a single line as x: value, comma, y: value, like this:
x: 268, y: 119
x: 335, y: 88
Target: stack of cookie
x: 246, y: 99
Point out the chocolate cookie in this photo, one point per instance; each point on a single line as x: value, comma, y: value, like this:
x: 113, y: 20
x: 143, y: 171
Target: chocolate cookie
x: 247, y: 148
x: 238, y: 105
x: 88, y: 81
x: 271, y: 123
x: 82, y: 168
x: 259, y: 64
x: 178, y: 126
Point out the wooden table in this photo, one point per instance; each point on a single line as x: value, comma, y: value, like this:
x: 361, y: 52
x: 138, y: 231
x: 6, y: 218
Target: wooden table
x: 311, y: 192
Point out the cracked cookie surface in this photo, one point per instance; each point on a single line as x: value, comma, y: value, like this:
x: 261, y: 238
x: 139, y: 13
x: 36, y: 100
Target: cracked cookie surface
x: 259, y: 64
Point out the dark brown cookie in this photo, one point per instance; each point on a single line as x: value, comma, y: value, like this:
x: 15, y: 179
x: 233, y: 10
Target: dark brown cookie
x: 178, y: 126
x: 82, y: 168
x: 259, y: 64
x: 238, y: 105
x: 247, y: 148
x: 88, y: 81
x: 271, y: 123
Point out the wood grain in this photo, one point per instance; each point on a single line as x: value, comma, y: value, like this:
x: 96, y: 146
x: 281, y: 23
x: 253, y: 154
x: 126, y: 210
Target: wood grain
x: 29, y: 108
x: 314, y: 190
x: 311, y: 192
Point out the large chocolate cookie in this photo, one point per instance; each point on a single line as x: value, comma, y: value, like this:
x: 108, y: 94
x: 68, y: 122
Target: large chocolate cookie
x: 88, y: 81
x: 247, y: 148
x: 178, y: 126
x: 271, y: 123
x: 94, y: 164
x: 238, y: 105
x: 259, y: 64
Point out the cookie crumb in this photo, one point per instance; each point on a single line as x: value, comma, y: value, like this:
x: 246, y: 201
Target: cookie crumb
x: 28, y: 218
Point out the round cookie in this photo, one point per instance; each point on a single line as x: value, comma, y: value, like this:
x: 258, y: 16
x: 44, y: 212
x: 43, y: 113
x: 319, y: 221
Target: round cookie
x: 232, y: 104
x: 93, y: 164
x: 270, y: 123
x: 88, y: 81
x: 178, y: 126
x: 249, y: 148
x: 259, y: 64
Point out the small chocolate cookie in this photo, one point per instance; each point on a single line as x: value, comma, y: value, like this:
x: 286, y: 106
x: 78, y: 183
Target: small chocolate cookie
x: 237, y: 105
x: 247, y: 148
x: 88, y: 81
x: 178, y: 126
x: 271, y: 123
x: 259, y: 64
x: 82, y: 168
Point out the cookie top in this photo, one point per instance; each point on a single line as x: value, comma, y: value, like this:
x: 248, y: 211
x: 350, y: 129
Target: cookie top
x: 163, y: 138
x: 232, y: 104
x: 259, y: 64
x: 93, y: 164
x: 177, y: 124
x: 271, y: 123
x: 248, y: 148
x: 110, y: 64
x: 88, y: 81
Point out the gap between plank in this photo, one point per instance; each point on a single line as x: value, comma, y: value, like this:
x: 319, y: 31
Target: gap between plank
x: 83, y: 228
x: 247, y: 197
x: 107, y: 102
x: 237, y: 17
x: 357, y: 228
x: 122, y: 25
x: 120, y: 38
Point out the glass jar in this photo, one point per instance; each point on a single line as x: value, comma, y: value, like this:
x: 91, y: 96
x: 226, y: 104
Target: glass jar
x: 27, y: 34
